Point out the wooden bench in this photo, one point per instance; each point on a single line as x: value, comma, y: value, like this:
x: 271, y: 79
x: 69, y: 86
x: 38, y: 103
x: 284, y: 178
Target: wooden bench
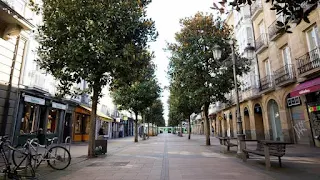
x: 267, y: 148
x: 225, y: 141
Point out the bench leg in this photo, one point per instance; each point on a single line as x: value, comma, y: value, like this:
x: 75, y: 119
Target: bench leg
x: 228, y: 148
x: 267, y: 157
x: 280, y: 161
x: 245, y: 156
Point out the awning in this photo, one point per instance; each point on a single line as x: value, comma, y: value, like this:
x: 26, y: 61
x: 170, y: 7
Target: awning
x: 100, y: 114
x: 306, y: 87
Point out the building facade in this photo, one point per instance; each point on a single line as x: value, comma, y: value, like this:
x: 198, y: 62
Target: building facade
x: 16, y: 21
x: 285, y: 106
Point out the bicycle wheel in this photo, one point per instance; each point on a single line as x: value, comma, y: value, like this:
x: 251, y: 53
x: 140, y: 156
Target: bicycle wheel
x: 26, y: 172
x: 18, y: 157
x: 59, y: 157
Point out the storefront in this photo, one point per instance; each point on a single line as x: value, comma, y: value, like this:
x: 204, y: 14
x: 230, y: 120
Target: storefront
x: 309, y: 92
x: 81, y: 123
x: 39, y: 116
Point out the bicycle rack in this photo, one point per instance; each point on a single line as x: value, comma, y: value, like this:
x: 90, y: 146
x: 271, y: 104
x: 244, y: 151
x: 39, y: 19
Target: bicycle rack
x: 67, y: 142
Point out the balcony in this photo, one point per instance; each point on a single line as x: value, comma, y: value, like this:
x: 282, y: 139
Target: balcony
x: 250, y: 89
x: 261, y: 43
x: 275, y: 30
x: 267, y: 84
x: 309, y: 64
x: 284, y: 75
x: 16, y: 12
x: 256, y: 9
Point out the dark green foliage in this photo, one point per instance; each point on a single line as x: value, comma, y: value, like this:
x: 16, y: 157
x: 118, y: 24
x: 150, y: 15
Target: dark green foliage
x: 294, y: 11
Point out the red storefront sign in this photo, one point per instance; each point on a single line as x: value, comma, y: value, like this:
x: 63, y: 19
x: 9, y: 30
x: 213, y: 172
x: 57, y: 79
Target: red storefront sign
x: 306, y: 87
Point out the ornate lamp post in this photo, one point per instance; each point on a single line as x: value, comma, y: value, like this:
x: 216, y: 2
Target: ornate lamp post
x: 217, y: 55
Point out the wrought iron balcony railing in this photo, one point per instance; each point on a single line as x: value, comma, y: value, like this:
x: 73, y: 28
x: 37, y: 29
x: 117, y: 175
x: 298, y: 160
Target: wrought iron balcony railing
x: 274, y: 29
x: 283, y: 74
x: 309, y: 61
x: 261, y: 41
x: 266, y: 82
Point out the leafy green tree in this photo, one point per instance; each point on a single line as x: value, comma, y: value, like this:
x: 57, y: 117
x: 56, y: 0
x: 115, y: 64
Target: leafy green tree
x: 206, y: 79
x: 94, y: 40
x: 182, y: 101
x: 138, y: 96
x: 294, y: 11
x: 155, y: 113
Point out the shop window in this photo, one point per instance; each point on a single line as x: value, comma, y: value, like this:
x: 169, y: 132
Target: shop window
x: 53, y: 119
x: 82, y: 124
x: 29, y: 121
x: 77, y: 126
x: 87, y: 123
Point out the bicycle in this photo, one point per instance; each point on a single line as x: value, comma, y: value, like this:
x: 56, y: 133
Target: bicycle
x: 52, y: 154
x: 13, y: 173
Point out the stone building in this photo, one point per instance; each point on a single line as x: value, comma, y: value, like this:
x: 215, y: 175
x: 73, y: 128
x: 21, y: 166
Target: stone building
x: 285, y: 106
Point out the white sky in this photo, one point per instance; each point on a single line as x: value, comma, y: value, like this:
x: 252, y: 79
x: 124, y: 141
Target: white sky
x: 166, y: 14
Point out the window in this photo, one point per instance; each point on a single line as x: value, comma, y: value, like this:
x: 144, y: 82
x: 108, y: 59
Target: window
x: 29, y: 121
x: 53, y: 119
x: 286, y: 55
x: 77, y: 127
x: 261, y: 28
x: 313, y: 38
x: 267, y: 67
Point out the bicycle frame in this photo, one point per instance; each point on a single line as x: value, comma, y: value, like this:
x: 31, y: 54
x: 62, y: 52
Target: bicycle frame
x: 8, y: 169
x: 44, y: 156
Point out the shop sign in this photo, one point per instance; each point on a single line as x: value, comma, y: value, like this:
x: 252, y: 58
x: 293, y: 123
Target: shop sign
x: 294, y: 101
x: 314, y: 108
x: 59, y: 106
x: 34, y: 100
x: 117, y: 119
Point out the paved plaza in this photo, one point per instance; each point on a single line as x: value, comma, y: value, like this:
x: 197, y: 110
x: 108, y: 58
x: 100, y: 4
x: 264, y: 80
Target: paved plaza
x: 168, y: 156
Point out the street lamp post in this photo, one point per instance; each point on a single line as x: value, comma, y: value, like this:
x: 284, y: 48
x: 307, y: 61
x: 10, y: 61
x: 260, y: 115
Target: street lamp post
x: 217, y: 55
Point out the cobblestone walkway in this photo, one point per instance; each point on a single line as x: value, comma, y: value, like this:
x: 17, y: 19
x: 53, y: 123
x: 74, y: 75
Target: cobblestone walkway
x: 171, y: 157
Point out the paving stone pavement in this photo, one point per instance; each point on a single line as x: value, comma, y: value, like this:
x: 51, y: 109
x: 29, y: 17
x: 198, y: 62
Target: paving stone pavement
x: 169, y: 157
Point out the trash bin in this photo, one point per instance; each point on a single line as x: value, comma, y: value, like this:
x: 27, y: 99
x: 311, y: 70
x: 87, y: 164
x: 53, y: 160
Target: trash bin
x: 101, y: 145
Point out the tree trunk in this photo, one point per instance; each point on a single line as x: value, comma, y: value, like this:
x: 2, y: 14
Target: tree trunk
x: 207, y: 124
x: 92, y: 134
x: 144, y: 134
x: 152, y: 129
x: 136, y: 128
x: 148, y: 129
x: 189, y: 128
x: 180, y: 128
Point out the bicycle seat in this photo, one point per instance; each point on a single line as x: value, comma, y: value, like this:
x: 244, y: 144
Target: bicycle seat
x: 50, y: 140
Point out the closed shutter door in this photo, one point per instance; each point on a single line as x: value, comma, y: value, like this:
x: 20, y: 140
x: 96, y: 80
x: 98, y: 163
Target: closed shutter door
x: 300, y: 125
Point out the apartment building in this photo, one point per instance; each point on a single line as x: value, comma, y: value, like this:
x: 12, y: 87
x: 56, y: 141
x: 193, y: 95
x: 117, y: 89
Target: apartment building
x: 286, y: 105
x: 16, y: 21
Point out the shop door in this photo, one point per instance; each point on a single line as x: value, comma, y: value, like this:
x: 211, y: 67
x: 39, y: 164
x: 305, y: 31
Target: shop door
x: 314, y: 113
x: 299, y: 125
x: 67, y: 126
x: 274, y: 120
x: 83, y: 127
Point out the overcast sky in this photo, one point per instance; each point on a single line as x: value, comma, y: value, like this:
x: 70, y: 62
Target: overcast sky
x: 166, y: 14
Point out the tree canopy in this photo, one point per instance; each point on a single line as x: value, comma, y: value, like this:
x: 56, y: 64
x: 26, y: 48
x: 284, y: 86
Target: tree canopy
x: 139, y: 95
x: 193, y: 67
x: 294, y: 11
x: 94, y: 40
